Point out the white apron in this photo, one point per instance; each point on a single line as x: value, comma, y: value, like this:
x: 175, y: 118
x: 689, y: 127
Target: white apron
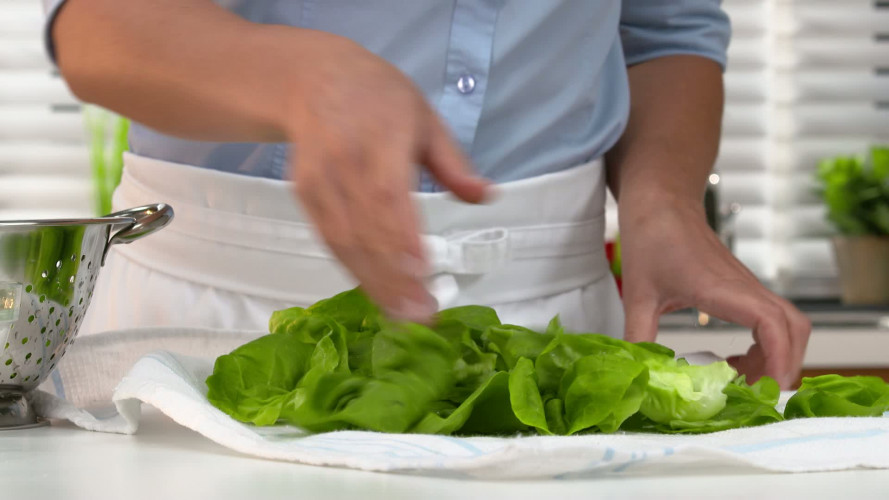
x: 240, y: 248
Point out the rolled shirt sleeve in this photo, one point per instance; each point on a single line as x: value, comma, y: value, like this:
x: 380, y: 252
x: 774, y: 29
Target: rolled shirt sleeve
x: 51, y: 9
x: 657, y: 28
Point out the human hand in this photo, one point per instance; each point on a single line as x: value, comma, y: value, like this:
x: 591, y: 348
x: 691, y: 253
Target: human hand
x: 673, y: 260
x: 359, y: 127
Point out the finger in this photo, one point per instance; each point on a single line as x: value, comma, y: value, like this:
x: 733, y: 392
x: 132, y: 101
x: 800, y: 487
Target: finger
x: 392, y: 175
x: 444, y: 160
x: 641, y: 318
x: 325, y: 207
x: 751, y: 364
x: 800, y: 330
x: 755, y: 310
x: 387, y: 249
x: 320, y: 202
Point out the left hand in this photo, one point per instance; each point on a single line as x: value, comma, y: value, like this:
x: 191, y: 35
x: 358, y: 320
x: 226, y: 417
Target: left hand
x: 673, y: 260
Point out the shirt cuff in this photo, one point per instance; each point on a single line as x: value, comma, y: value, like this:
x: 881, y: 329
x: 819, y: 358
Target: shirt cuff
x: 51, y: 9
x: 704, y: 31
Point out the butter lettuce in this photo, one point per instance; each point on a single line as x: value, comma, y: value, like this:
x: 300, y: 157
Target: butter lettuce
x: 679, y: 391
x: 340, y: 364
x: 745, y: 406
x: 836, y: 396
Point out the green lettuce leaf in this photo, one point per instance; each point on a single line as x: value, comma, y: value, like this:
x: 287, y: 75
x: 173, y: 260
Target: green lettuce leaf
x: 679, y: 391
x: 602, y: 390
x: 476, y: 318
x: 745, y: 406
x: 836, y: 396
x: 513, y: 342
x: 485, y: 411
x: 352, y: 309
x: 339, y: 364
x: 411, y: 368
x: 253, y: 382
x: 524, y: 396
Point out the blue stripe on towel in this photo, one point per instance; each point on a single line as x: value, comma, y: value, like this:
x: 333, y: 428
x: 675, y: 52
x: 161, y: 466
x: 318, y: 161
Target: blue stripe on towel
x: 57, y: 383
x: 754, y: 447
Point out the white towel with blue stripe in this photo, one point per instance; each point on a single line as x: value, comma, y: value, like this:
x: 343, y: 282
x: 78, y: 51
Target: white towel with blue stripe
x: 174, y: 384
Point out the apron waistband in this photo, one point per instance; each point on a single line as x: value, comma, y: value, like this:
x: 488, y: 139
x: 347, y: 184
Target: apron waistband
x: 541, y: 236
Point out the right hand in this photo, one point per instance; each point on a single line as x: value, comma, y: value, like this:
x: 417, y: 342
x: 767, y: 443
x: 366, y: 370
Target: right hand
x: 359, y: 127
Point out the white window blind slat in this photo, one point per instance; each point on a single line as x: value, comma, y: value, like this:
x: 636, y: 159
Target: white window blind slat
x: 807, y: 151
x: 746, y: 86
x: 747, y: 53
x: 744, y: 120
x: 20, y: 55
x: 19, y: 19
x: 23, y: 123
x: 851, y: 51
x: 43, y: 158
x: 843, y: 18
x: 754, y: 253
x: 33, y: 87
x: 747, y: 17
x: 44, y: 161
x: 746, y: 187
x: 742, y: 154
x: 856, y: 85
x: 832, y: 119
x: 31, y: 192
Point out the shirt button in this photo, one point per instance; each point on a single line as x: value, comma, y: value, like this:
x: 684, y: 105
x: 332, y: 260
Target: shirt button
x: 466, y: 84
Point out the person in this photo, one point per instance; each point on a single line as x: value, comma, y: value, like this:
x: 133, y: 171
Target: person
x: 521, y: 109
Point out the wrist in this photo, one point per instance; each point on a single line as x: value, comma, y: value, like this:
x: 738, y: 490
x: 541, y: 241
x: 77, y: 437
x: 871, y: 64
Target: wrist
x: 637, y: 209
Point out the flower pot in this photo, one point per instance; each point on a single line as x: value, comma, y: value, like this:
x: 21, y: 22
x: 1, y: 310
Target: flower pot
x: 864, y: 269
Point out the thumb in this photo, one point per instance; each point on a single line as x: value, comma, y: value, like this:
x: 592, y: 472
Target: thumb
x: 450, y: 167
x: 641, y: 319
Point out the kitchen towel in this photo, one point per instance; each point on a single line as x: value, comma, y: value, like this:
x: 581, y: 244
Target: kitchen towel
x: 174, y: 384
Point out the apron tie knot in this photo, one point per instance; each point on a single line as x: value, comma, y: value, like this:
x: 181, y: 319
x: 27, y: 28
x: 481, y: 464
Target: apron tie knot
x: 468, y: 252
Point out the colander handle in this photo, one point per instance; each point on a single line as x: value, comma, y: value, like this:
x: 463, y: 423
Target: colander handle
x: 145, y: 220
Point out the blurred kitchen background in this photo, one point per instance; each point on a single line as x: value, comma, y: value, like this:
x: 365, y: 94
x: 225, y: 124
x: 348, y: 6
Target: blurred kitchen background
x: 807, y: 80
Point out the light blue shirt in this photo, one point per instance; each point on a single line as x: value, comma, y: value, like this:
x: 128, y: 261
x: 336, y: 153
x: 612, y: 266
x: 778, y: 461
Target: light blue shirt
x: 527, y: 86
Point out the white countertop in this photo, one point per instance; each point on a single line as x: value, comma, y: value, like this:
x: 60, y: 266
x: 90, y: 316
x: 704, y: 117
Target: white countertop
x: 165, y: 461
x: 828, y: 347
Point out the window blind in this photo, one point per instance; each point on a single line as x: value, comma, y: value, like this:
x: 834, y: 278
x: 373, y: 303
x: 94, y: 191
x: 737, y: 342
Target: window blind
x: 44, y: 162
x: 807, y: 79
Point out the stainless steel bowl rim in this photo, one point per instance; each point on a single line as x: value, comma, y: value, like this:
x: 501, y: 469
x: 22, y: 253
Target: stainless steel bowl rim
x: 66, y: 222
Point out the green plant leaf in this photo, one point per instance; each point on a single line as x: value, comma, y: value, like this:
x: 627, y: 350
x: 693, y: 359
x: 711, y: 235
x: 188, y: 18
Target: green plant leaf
x: 855, y: 191
x: 746, y: 406
x: 678, y: 391
x: 513, y: 342
x: 524, y: 396
x: 476, y: 318
x: 836, y: 396
x: 340, y: 365
x: 602, y: 390
x: 253, y: 382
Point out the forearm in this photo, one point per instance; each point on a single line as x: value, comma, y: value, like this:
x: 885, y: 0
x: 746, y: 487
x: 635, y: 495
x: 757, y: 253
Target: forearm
x: 183, y: 67
x: 672, y: 138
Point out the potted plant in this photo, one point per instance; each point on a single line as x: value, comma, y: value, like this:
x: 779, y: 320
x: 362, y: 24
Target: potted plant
x: 856, y: 193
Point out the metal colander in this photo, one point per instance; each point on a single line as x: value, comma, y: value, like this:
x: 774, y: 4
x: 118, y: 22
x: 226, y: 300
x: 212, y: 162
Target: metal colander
x: 48, y: 270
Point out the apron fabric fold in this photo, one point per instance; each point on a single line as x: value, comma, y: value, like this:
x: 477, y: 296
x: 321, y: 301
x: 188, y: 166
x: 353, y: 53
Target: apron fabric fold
x: 240, y: 248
